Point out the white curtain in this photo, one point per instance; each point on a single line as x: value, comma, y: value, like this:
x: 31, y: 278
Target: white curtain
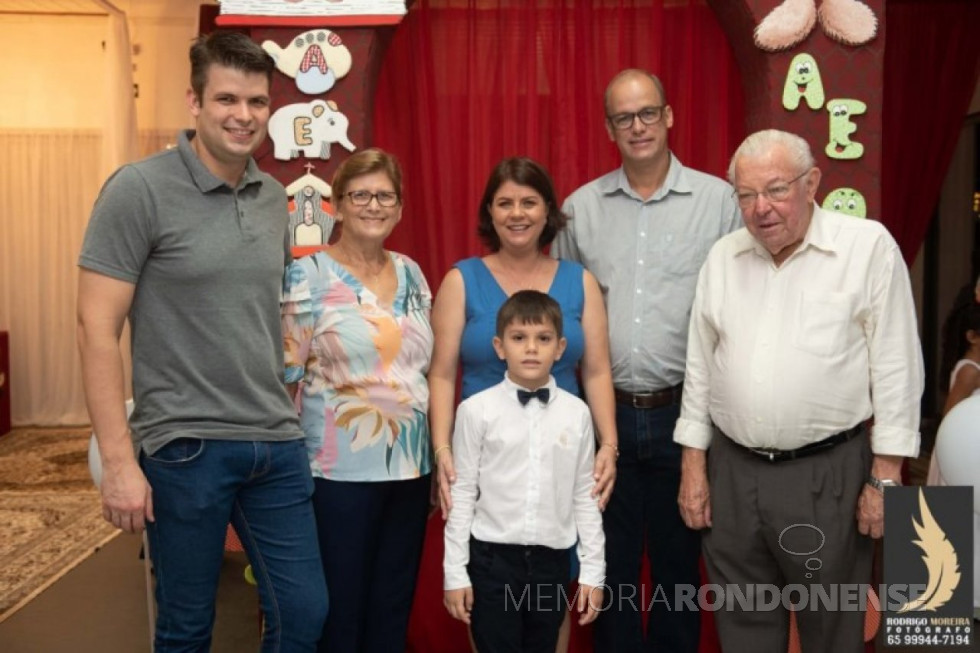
x: 48, y: 183
x: 119, y: 143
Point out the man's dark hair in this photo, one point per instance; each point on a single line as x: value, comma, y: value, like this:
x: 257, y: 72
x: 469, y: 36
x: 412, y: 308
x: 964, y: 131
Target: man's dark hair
x: 523, y: 172
x: 529, y: 307
x: 229, y: 49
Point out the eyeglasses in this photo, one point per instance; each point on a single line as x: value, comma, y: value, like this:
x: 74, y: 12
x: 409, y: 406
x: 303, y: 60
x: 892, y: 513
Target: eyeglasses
x: 647, y: 115
x: 777, y: 193
x: 386, y: 198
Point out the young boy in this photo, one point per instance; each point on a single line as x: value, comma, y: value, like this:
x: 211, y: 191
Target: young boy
x: 524, y: 454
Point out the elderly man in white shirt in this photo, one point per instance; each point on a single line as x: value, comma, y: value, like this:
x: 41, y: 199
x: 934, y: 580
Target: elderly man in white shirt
x: 803, y: 329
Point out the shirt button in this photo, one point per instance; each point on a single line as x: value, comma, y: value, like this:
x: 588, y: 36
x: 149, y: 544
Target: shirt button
x: 640, y: 262
x: 637, y: 320
x: 758, y: 420
x: 643, y: 234
x: 639, y: 291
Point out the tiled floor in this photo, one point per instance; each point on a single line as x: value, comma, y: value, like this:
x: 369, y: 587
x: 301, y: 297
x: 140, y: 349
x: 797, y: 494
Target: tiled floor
x: 100, y: 607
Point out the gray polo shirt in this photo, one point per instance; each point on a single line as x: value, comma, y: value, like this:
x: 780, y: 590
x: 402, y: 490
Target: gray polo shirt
x: 207, y: 262
x: 646, y: 255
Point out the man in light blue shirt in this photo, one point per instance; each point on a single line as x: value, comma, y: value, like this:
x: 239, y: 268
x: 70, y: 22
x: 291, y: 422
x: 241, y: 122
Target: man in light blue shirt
x: 644, y: 230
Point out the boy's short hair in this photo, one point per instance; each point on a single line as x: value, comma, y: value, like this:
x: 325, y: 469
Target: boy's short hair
x: 529, y: 307
x: 230, y: 49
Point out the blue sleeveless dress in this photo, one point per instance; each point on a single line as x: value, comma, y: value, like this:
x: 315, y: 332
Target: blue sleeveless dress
x: 479, y: 362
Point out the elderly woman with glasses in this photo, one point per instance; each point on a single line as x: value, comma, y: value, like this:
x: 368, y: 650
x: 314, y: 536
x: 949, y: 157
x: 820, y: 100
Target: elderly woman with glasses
x: 358, y: 341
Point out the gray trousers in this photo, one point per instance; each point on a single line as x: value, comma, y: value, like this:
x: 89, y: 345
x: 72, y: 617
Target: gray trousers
x: 787, y: 523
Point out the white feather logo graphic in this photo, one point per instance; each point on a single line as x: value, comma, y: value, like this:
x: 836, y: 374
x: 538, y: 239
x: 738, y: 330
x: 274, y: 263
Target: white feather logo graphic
x: 941, y: 562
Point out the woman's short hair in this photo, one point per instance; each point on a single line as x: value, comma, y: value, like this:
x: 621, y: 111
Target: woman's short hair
x: 364, y: 163
x: 524, y: 172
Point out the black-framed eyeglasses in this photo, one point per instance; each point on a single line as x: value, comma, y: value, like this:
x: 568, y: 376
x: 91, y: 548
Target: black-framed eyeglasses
x: 386, y: 198
x: 647, y: 115
x: 775, y: 193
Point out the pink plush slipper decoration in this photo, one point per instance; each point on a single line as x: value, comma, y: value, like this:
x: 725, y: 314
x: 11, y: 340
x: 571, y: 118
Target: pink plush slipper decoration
x: 786, y: 25
x: 848, y: 21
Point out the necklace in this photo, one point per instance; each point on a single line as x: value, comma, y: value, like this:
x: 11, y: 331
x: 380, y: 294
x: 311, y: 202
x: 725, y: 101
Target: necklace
x: 517, y: 282
x: 362, y: 269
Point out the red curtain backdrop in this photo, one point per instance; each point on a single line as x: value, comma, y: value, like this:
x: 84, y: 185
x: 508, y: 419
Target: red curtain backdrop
x: 465, y: 84
x: 932, y: 64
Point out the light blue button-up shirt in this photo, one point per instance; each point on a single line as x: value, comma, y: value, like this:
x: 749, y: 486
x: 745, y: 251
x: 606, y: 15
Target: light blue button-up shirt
x: 646, y: 255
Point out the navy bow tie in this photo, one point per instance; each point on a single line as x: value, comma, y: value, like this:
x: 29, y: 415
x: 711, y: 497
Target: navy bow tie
x: 525, y: 396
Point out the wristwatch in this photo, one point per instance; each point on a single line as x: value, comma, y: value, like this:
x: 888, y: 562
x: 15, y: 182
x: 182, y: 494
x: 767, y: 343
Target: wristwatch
x: 881, y: 483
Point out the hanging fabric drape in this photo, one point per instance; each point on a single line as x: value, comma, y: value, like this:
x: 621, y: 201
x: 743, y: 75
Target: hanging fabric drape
x: 48, y: 182
x: 464, y: 84
x: 119, y: 140
x: 932, y: 65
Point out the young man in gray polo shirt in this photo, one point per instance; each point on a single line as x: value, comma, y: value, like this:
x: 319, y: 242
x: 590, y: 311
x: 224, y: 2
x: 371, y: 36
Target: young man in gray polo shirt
x: 189, y: 244
x: 644, y: 230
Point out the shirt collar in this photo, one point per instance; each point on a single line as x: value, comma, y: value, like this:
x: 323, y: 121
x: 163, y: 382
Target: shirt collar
x: 511, y: 388
x: 676, y: 181
x: 203, y: 178
x: 820, y: 235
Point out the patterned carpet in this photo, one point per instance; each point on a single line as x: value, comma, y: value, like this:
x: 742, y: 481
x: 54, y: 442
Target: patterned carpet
x: 50, y: 515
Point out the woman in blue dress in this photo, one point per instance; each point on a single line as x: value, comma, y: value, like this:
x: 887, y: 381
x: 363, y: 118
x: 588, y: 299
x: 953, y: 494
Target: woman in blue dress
x: 519, y: 217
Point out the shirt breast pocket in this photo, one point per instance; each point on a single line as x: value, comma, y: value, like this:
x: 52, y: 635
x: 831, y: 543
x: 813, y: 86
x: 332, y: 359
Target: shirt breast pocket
x: 822, y: 323
x: 682, y: 256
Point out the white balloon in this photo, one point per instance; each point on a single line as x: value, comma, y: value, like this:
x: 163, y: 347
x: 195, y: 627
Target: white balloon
x: 94, y: 461
x: 958, y: 446
x: 94, y: 458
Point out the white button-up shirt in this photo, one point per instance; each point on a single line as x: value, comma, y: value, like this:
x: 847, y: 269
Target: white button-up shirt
x: 524, y: 476
x: 785, y: 356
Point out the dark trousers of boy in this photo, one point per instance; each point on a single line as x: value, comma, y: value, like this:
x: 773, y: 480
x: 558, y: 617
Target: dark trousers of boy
x: 519, y: 596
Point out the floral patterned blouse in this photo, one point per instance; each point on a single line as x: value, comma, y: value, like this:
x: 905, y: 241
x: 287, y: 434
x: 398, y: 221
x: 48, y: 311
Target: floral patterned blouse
x: 364, y: 397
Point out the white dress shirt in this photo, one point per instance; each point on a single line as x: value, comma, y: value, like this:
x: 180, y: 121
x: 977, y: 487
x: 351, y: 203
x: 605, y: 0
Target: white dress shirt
x: 785, y: 356
x: 524, y: 476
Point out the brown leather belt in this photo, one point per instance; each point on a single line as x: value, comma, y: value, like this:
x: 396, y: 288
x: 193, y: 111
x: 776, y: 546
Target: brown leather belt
x: 657, y: 399
x: 780, y: 455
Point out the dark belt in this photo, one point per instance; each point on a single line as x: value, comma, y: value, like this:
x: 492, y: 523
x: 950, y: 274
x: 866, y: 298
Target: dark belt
x: 657, y: 399
x: 781, y: 455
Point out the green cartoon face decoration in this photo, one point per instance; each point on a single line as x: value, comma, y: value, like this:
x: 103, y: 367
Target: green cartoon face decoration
x: 803, y: 81
x: 847, y: 201
x: 841, y: 146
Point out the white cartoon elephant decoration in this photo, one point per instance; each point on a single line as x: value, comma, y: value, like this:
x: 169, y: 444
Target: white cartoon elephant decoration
x: 315, y: 59
x: 308, y: 128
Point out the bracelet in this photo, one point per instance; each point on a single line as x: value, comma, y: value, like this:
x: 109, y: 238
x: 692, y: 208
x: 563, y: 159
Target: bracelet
x: 611, y: 445
x: 435, y: 454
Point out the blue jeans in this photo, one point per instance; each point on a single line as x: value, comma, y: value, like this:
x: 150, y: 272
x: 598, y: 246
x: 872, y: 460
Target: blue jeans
x: 264, y: 489
x: 643, y: 510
